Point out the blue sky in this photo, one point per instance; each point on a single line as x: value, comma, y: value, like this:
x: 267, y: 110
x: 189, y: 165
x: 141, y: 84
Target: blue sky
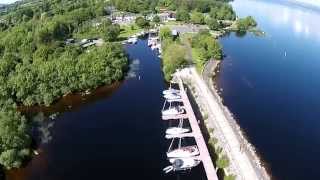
x: 7, y: 1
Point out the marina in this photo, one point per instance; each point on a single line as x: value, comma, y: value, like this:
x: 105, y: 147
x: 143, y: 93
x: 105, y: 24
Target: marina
x: 189, y: 115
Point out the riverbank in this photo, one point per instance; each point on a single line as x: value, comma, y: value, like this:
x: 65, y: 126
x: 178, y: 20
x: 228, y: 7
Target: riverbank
x: 244, y: 161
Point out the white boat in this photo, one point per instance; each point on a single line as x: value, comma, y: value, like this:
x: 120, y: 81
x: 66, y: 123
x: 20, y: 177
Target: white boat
x: 170, y: 91
x: 181, y: 164
x: 176, y: 130
x: 172, y: 96
x: 183, y: 152
x: 133, y: 40
x: 173, y: 111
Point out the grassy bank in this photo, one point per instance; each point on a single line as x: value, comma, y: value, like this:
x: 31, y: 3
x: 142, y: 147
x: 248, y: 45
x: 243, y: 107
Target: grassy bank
x: 127, y: 31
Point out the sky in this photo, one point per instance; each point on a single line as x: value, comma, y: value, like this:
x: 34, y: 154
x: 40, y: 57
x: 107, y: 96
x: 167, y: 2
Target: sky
x: 7, y: 1
x: 310, y: 2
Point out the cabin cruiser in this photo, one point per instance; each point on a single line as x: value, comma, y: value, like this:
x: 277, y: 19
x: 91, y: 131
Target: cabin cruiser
x: 176, y: 130
x: 133, y: 40
x: 173, y: 111
x: 171, y: 91
x: 182, y: 152
x: 181, y: 164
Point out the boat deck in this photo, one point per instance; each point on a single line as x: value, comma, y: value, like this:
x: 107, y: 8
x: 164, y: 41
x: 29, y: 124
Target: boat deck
x: 174, y: 117
x: 180, y: 135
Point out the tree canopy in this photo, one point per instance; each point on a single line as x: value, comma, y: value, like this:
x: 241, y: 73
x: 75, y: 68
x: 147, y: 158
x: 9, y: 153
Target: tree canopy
x: 14, y: 138
x: 38, y: 66
x: 197, y: 17
x: 244, y: 24
x: 206, y: 48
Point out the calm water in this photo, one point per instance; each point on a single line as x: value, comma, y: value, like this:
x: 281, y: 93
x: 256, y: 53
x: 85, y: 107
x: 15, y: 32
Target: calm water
x: 272, y: 86
x: 116, y: 133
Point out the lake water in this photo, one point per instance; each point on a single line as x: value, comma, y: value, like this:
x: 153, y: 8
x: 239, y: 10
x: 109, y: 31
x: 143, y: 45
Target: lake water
x: 116, y: 133
x: 272, y: 85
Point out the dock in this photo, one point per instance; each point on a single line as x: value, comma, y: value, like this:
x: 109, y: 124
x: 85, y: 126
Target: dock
x: 196, y: 133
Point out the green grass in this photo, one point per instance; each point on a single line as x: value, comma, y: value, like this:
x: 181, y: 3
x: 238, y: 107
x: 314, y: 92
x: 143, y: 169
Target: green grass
x: 196, y: 60
x: 129, y: 30
x: 173, y: 23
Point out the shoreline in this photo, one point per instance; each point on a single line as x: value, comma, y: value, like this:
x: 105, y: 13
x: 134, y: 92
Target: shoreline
x: 244, y: 160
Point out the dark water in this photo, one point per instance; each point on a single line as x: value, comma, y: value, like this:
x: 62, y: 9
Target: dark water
x: 272, y: 86
x: 116, y: 133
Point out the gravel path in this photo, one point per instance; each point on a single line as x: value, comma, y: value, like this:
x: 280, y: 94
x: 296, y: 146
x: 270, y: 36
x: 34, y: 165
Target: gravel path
x: 244, y: 161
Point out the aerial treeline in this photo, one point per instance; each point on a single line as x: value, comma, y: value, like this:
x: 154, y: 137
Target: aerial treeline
x: 47, y: 8
x: 37, y: 66
x: 135, y: 6
x: 203, y: 6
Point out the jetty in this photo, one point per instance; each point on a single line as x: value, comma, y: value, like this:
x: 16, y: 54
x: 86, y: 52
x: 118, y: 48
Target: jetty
x: 196, y: 133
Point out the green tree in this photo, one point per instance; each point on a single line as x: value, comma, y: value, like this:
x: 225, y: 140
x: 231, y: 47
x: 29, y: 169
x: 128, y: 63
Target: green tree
x: 112, y: 32
x: 142, y: 22
x: 182, y: 15
x: 197, y: 17
x: 173, y: 58
x: 246, y: 23
x: 14, y: 138
x: 213, y: 24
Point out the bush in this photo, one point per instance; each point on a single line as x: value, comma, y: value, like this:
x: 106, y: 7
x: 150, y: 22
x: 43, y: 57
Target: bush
x: 222, y: 162
x: 165, y: 33
x: 156, y: 19
x: 229, y: 177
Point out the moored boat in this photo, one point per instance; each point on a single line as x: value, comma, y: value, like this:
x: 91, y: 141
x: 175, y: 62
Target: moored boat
x: 172, y: 96
x: 133, y: 40
x: 171, y: 91
x: 173, y: 111
x: 176, y: 130
x: 181, y: 164
x: 183, y: 152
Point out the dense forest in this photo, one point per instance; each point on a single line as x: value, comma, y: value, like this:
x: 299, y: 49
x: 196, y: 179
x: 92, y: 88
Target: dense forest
x: 37, y: 66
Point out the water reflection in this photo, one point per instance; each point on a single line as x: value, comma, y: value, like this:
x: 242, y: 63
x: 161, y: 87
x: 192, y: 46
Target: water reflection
x: 273, y: 85
x: 301, y: 21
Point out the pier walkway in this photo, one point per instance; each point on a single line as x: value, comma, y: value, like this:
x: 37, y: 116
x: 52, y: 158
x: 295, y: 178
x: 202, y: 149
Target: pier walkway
x: 196, y: 133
